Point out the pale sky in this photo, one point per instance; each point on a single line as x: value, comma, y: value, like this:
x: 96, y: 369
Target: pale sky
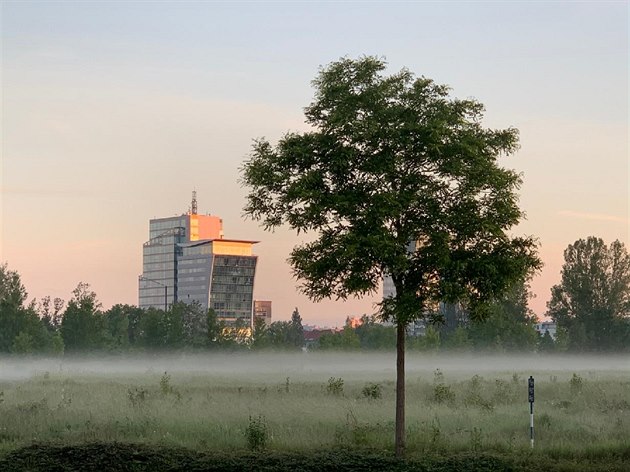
x: 113, y: 112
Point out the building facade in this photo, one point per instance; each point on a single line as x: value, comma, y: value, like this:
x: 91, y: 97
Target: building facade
x: 186, y: 259
x: 262, y: 309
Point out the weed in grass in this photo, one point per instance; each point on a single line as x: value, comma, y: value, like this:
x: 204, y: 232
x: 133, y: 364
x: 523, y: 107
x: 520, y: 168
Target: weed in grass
x: 576, y: 383
x: 438, y: 376
x: 442, y: 393
x: 475, y: 383
x: 563, y: 404
x: 137, y: 396
x: 335, y: 386
x: 544, y: 420
x: 165, y: 384
x: 33, y: 407
x: 436, y: 432
x: 502, y: 393
x: 257, y: 433
x: 372, y: 391
x: 516, y: 379
x: 356, y: 434
x: 475, y: 439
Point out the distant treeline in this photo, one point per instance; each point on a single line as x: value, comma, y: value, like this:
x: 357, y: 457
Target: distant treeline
x: 591, y: 307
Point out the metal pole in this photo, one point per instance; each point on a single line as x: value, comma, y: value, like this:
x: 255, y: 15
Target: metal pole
x: 165, y: 296
x: 530, y: 389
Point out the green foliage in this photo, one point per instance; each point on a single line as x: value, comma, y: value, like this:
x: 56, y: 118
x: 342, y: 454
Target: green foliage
x: 82, y: 324
x: 430, y: 342
x: 23, y: 344
x: 344, y: 340
x: 296, y: 331
x: 458, y: 340
x: 592, y: 301
x: 375, y: 336
x: 372, y: 391
x: 165, y: 384
x: 21, y: 330
x: 335, y: 386
x: 392, y: 160
x: 546, y: 343
x: 141, y: 457
x: 576, y: 383
x: 257, y: 433
x: 442, y: 393
x: 510, y: 323
x: 260, y: 334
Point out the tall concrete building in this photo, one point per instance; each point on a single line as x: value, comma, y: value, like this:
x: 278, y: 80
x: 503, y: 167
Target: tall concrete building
x: 187, y: 259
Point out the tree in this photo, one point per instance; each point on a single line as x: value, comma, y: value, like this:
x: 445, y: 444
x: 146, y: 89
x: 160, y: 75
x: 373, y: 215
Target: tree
x: 373, y: 335
x: 195, y: 324
x: 50, y: 312
x: 396, y: 178
x: 509, y: 325
x: 592, y: 301
x: 82, y: 322
x: 12, y: 310
x: 21, y: 330
x: 116, y: 326
x: 260, y: 333
x: 344, y: 340
x: 296, y: 330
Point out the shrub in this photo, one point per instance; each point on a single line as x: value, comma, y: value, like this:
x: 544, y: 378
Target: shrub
x: 335, y: 386
x: 442, y: 393
x: 257, y: 433
x: 372, y: 391
x: 165, y: 384
x: 576, y: 383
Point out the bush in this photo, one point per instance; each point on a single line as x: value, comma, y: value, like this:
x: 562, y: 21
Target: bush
x: 335, y: 386
x: 576, y: 383
x: 372, y: 391
x: 442, y: 393
x: 257, y: 433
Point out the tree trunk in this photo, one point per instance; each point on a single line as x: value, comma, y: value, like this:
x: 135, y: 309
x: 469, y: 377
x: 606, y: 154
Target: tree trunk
x: 400, y: 389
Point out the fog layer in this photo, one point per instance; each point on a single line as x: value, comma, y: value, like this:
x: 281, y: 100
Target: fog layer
x: 307, y: 366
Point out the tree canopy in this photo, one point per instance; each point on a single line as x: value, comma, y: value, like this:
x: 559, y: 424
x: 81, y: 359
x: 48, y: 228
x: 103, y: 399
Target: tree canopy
x: 393, y: 160
x: 592, y: 301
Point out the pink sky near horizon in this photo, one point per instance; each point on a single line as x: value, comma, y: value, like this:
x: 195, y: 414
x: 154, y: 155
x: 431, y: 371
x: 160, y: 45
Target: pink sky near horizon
x: 112, y: 115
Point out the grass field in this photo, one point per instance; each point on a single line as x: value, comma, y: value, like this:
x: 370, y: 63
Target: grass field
x: 306, y: 403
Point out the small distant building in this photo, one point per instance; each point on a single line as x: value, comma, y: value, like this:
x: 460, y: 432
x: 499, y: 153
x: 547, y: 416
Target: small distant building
x: 546, y: 327
x: 262, y: 309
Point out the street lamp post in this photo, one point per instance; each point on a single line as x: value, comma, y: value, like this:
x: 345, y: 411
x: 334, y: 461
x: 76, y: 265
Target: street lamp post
x: 142, y: 277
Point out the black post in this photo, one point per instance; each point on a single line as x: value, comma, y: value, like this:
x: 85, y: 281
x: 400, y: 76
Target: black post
x: 530, y: 389
x: 165, y: 296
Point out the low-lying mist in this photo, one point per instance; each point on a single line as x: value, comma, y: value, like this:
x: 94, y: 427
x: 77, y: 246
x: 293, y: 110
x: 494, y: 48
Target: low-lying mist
x: 312, y: 366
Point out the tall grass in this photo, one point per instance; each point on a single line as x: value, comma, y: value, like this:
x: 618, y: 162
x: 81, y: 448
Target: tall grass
x: 478, y: 412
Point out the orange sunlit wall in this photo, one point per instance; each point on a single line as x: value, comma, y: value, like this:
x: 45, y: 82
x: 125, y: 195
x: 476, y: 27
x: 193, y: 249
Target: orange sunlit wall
x: 205, y: 227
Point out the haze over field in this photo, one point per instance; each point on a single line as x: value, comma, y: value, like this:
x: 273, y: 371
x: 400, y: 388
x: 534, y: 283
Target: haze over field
x: 312, y: 367
x: 114, y: 112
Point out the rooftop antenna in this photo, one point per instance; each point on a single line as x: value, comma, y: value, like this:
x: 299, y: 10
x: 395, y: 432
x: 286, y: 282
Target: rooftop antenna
x: 194, y: 203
